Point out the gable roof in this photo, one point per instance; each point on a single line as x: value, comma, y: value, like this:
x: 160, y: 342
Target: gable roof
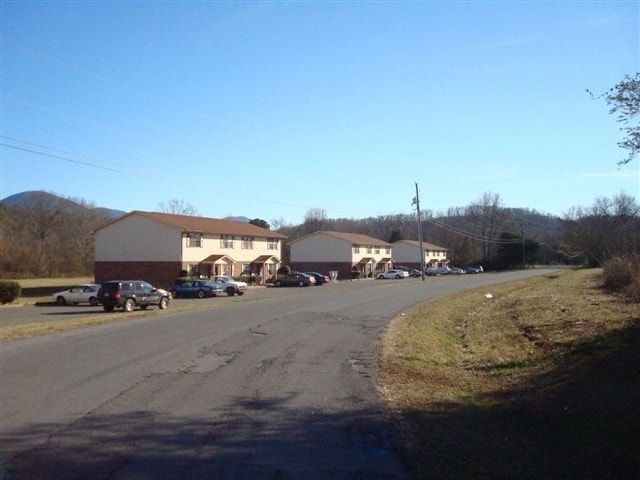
x: 425, y: 245
x: 353, y: 238
x: 205, y: 225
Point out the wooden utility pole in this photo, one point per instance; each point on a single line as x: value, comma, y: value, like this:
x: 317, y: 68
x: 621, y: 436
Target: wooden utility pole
x: 416, y: 202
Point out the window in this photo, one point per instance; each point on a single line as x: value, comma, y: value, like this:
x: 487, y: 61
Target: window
x: 377, y: 249
x: 388, y: 250
x: 356, y: 249
x: 226, y: 241
x: 247, y: 243
x: 369, y: 248
x: 246, y: 269
x: 195, y: 240
x: 272, y: 243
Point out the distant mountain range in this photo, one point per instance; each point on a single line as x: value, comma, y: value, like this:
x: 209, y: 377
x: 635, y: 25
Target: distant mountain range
x: 39, y: 197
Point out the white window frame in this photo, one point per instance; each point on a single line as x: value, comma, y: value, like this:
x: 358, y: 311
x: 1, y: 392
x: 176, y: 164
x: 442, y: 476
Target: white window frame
x: 247, y: 243
x: 226, y: 241
x: 194, y: 240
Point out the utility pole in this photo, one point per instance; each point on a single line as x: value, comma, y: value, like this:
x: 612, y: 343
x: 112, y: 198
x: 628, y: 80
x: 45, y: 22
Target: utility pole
x: 524, y: 257
x: 416, y: 202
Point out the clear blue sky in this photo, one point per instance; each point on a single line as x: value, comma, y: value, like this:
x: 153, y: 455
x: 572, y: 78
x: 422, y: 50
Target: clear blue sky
x: 268, y: 109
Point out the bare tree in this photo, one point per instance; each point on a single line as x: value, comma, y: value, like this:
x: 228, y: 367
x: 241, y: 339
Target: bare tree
x: 608, y: 228
x: 624, y: 99
x: 178, y: 207
x: 487, y: 216
x: 315, y: 219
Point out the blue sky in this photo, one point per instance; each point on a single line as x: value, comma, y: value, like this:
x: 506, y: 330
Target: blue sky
x: 268, y: 109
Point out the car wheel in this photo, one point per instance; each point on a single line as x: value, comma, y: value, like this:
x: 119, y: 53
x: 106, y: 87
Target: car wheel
x: 301, y: 284
x: 60, y: 300
x: 164, y: 303
x: 129, y: 305
x: 93, y: 301
x: 278, y: 283
x: 108, y: 308
x: 398, y: 276
x: 231, y: 291
x: 200, y: 293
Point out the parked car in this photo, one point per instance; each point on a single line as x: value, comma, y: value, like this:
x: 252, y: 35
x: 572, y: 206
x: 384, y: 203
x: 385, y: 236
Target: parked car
x: 414, y: 272
x: 84, y: 293
x: 195, y: 288
x: 456, y: 271
x: 319, y: 277
x: 129, y: 294
x: 474, y: 269
x: 393, y: 274
x: 435, y: 271
x: 229, y: 285
x: 293, y: 279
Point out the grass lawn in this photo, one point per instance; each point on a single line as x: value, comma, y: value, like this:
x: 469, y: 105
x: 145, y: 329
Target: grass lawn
x: 540, y: 381
x: 40, y: 290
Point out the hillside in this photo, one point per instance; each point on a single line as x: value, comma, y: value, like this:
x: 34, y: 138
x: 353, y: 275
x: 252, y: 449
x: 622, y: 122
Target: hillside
x: 39, y: 197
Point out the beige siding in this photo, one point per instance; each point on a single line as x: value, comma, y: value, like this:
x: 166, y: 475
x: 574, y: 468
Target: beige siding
x: 409, y: 252
x: 366, y: 252
x: 212, y: 245
x: 137, y: 239
x: 320, y: 248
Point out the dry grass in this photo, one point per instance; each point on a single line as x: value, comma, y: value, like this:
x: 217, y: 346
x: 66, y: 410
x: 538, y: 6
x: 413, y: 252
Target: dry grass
x: 39, y: 290
x: 517, y: 385
x: 18, y: 332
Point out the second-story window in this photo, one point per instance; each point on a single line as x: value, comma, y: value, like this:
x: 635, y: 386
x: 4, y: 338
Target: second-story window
x: 272, y: 244
x: 247, y: 243
x: 194, y: 240
x: 377, y: 249
x: 388, y: 250
x: 356, y: 249
x: 369, y: 248
x: 226, y: 241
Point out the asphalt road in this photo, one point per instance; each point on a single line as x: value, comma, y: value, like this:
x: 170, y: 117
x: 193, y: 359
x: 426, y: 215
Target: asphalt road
x: 277, y: 384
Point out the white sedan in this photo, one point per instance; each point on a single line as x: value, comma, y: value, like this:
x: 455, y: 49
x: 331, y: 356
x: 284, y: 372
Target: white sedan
x: 393, y: 274
x: 85, y: 293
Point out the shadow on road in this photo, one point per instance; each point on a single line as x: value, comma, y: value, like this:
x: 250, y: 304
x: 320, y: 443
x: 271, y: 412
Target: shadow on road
x: 253, y: 439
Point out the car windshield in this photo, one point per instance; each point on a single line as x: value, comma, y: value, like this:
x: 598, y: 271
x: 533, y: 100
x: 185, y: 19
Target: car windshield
x: 109, y: 287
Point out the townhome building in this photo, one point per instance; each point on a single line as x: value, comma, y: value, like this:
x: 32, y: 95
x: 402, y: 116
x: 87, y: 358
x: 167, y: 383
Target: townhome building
x: 160, y: 247
x: 344, y: 253
x: 407, y: 253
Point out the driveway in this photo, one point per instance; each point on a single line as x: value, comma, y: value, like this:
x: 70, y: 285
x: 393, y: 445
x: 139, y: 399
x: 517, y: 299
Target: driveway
x: 276, y: 385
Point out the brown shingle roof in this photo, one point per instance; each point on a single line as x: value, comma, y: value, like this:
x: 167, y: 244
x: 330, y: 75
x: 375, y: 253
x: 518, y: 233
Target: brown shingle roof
x: 354, y: 238
x: 425, y: 245
x: 206, y: 225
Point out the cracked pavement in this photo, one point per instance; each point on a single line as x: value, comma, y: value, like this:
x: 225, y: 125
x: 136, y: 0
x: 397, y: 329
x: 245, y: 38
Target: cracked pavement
x: 282, y: 387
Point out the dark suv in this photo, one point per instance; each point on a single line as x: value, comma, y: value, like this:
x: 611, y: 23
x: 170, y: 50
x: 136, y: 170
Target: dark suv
x: 127, y: 294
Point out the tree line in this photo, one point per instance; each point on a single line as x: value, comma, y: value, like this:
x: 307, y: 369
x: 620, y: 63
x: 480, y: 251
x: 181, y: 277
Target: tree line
x: 52, y: 236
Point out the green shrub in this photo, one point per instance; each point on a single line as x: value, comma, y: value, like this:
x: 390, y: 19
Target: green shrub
x: 9, y: 291
x: 284, y: 270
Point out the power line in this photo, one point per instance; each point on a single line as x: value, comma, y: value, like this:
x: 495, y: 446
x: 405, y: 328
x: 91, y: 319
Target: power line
x: 173, y: 179
x: 103, y: 78
x: 472, y: 235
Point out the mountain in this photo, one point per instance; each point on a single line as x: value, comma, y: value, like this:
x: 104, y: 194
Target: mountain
x: 39, y: 197
x: 238, y: 219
